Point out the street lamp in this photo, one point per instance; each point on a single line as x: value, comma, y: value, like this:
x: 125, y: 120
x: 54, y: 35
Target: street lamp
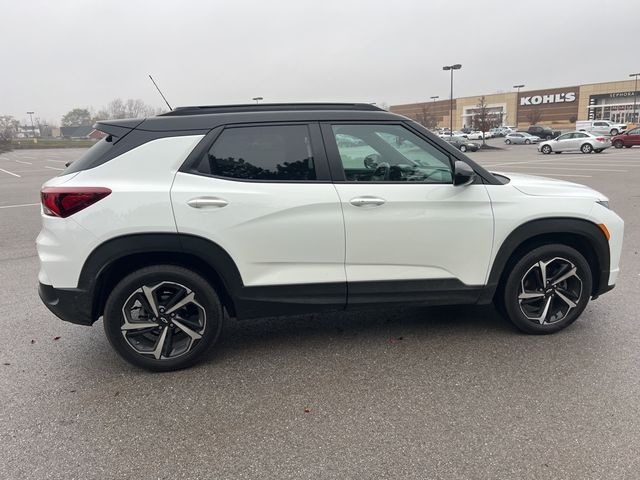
x: 457, y: 66
x: 257, y: 99
x: 518, y: 87
x: 635, y: 96
x: 434, y: 98
x: 33, y: 129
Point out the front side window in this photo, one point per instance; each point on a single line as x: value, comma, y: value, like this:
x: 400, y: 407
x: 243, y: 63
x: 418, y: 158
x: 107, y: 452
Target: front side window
x: 274, y: 152
x: 635, y: 131
x: 566, y: 136
x: 389, y: 153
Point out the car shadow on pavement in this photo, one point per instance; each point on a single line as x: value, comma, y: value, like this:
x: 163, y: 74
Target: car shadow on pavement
x: 371, y: 326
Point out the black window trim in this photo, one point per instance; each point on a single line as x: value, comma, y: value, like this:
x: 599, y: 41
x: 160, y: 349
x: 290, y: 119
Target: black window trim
x: 317, y: 149
x: 335, y: 161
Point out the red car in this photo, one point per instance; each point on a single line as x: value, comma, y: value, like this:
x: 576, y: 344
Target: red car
x: 627, y: 139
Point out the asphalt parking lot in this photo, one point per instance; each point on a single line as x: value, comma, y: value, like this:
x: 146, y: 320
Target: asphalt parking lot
x: 415, y: 393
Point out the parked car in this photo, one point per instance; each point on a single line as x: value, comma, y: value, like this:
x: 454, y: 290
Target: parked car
x: 463, y: 144
x: 575, y: 141
x: 520, y: 138
x: 543, y: 132
x: 497, y: 132
x: 627, y: 139
x: 474, y: 135
x: 170, y: 223
x: 600, y: 127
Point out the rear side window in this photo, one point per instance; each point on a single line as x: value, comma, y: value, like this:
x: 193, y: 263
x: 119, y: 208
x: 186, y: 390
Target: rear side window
x: 274, y: 152
x: 90, y: 156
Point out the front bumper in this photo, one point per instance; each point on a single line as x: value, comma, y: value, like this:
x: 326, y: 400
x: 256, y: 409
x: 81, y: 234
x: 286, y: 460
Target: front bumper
x: 69, y: 304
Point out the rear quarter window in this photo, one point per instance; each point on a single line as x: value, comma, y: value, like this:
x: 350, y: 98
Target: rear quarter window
x: 90, y: 156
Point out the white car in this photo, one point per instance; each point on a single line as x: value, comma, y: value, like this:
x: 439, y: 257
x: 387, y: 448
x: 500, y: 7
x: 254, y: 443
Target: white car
x: 474, y: 135
x: 575, y: 141
x: 172, y: 222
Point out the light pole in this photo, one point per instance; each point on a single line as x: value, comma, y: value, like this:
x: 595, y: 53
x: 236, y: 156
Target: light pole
x: 517, y: 87
x: 457, y: 66
x: 33, y: 129
x: 635, y: 96
x: 257, y: 99
x: 434, y: 98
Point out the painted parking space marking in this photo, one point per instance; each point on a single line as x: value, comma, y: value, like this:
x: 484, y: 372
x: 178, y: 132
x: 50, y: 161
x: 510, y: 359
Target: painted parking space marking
x: 53, y: 168
x: 10, y: 173
x: 20, y: 205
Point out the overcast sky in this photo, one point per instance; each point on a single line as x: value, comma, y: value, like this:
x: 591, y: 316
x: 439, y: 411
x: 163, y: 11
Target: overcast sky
x: 57, y: 55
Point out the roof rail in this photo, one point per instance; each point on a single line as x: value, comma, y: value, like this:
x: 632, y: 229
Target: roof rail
x: 267, y: 107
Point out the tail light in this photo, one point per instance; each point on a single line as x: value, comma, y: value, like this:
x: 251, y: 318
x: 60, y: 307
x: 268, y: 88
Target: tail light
x: 65, y: 201
x: 601, y: 139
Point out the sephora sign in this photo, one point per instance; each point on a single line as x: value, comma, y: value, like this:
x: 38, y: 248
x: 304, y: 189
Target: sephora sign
x: 550, y: 98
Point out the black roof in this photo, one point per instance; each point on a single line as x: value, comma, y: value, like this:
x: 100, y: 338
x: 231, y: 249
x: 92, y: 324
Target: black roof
x: 208, y: 117
x: 267, y: 107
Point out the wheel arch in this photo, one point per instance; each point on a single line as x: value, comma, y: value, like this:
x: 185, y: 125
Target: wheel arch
x: 117, y: 257
x: 583, y: 235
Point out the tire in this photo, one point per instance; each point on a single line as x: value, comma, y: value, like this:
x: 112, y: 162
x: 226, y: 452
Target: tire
x: 614, y: 131
x: 507, y: 141
x: 557, y: 153
x: 548, y: 137
x: 618, y: 144
x: 527, y: 142
x: 586, y: 148
x: 546, y: 149
x: 558, y: 260
x: 463, y: 148
x: 189, y: 332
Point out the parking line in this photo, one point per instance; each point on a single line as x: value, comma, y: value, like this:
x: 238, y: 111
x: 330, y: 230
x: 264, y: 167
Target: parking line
x: 53, y: 168
x: 544, y: 167
x: 10, y: 173
x: 20, y: 205
x: 52, y: 160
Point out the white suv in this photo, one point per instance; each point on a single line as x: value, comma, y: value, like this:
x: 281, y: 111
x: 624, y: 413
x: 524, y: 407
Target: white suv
x: 600, y: 127
x: 268, y: 210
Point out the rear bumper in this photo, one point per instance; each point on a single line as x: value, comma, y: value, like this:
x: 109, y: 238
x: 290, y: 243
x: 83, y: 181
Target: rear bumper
x: 69, y: 304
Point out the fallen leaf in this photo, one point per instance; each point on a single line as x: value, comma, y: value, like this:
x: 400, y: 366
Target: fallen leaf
x: 116, y: 394
x: 32, y: 342
x: 6, y: 363
x: 56, y: 338
x: 307, y: 410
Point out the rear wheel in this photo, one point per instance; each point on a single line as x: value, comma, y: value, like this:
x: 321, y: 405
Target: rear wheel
x: 614, y: 131
x: 547, y: 289
x: 546, y: 149
x: 463, y: 148
x: 586, y: 148
x: 163, y: 317
x: 618, y: 144
x: 507, y: 141
x: 527, y: 141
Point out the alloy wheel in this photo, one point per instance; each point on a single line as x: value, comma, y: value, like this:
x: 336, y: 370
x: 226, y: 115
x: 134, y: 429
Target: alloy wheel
x: 549, y: 290
x: 163, y: 321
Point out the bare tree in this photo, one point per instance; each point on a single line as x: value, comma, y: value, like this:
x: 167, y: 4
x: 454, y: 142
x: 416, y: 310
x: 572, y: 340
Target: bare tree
x: 534, y: 115
x: 483, y: 118
x: 426, y: 118
x: 131, y: 108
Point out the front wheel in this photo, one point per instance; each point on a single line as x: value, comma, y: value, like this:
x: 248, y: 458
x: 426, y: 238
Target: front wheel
x: 527, y: 141
x: 163, y: 317
x: 586, y: 148
x: 463, y: 148
x: 618, y: 144
x: 546, y: 149
x: 507, y: 141
x: 547, y: 289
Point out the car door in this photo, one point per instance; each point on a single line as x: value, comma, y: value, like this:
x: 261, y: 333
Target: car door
x: 562, y: 143
x: 633, y: 137
x: 600, y: 128
x: 410, y: 232
x: 263, y: 193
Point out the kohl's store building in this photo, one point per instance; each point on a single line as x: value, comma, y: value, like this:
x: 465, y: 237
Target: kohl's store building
x: 558, y: 108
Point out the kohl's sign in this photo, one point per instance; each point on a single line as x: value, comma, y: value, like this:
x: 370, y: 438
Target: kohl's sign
x: 550, y: 98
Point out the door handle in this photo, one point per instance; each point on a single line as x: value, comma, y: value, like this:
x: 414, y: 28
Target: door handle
x: 367, y: 201
x: 207, y: 202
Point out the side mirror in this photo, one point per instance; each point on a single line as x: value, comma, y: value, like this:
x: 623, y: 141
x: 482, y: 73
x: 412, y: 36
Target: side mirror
x: 463, y: 174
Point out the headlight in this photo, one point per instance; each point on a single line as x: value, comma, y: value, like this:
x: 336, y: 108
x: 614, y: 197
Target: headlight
x: 604, y: 203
